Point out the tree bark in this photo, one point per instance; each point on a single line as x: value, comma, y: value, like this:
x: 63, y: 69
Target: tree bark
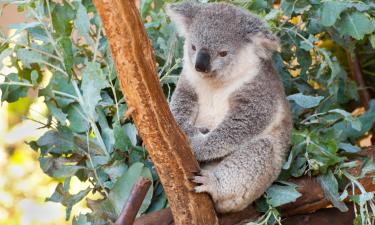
x: 312, y: 199
x: 331, y: 216
x: 134, y: 202
x: 167, y: 145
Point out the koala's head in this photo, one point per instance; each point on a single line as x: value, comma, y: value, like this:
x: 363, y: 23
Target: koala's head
x: 216, y: 33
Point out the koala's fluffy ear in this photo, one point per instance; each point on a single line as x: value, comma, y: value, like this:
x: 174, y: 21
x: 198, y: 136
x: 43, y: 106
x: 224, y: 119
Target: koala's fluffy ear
x: 182, y: 15
x: 267, y: 43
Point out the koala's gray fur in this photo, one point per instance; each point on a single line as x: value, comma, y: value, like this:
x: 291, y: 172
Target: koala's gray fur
x: 235, y: 112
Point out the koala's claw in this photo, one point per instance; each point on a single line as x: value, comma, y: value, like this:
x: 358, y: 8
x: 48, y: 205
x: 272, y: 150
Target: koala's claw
x: 203, y: 178
x: 196, y: 173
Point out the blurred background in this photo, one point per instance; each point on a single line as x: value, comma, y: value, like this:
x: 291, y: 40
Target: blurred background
x: 23, y: 185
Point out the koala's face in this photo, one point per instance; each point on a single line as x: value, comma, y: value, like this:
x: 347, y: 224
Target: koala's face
x: 215, y: 33
x: 212, y: 44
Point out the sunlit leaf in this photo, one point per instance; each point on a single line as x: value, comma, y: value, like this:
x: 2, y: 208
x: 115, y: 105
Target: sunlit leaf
x: 93, y: 81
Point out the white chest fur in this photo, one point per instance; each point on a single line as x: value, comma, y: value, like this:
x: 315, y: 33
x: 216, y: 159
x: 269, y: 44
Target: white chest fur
x: 213, y: 105
x: 213, y: 98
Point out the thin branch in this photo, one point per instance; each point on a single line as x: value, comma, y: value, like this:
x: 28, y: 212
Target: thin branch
x: 134, y: 202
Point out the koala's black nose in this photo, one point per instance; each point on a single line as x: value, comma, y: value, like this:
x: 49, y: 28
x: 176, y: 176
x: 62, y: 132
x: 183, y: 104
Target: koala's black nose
x: 202, y: 63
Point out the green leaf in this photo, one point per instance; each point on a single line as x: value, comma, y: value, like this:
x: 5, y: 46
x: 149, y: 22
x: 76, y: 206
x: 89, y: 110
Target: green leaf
x: 349, y: 147
x: 122, y: 140
x: 57, y: 112
x: 28, y: 57
x: 295, y: 6
x: 355, y: 24
x: 67, y: 47
x: 60, y: 83
x: 58, y: 167
x: 131, y: 132
x: 115, y: 170
x: 309, y: 43
x: 306, y: 101
x: 331, y: 11
x: 61, y: 141
x: 121, y: 191
x: 280, y: 195
x: 329, y: 185
x: 93, y: 81
x: 11, y: 92
x: 62, y: 16
x: 82, y: 23
x: 78, y: 123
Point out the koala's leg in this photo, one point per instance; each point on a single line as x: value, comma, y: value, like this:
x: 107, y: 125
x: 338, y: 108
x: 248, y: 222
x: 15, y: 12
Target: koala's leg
x: 241, y: 177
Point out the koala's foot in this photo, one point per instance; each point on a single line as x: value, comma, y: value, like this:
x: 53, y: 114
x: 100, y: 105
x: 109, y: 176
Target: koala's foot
x: 241, y: 177
x: 206, y: 182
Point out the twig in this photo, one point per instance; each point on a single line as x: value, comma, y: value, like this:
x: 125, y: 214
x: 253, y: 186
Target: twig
x: 136, y: 197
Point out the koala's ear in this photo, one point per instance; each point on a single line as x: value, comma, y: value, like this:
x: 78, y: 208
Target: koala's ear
x: 182, y: 15
x: 266, y: 42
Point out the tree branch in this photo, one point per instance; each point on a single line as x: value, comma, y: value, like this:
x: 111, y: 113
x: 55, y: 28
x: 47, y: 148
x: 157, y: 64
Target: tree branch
x: 167, y: 145
x: 134, y: 202
x: 331, y: 216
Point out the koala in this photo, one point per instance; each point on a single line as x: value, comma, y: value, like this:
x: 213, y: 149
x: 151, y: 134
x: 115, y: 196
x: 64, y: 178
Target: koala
x: 230, y: 102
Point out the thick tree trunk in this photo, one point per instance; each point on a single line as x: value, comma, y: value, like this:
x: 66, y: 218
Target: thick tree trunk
x: 167, y: 145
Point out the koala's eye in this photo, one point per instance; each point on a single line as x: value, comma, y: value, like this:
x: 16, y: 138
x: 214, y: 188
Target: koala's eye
x: 223, y: 53
x: 193, y: 47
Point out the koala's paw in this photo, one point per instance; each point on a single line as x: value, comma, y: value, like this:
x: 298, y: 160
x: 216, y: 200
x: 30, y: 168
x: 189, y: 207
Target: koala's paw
x: 206, y: 182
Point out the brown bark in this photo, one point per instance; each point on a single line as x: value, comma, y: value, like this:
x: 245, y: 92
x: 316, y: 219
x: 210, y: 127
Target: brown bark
x: 312, y: 199
x: 134, y: 202
x: 331, y: 216
x: 166, y: 143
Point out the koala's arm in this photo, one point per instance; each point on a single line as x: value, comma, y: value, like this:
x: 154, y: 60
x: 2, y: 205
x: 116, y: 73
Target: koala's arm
x: 184, y: 107
x: 251, y: 111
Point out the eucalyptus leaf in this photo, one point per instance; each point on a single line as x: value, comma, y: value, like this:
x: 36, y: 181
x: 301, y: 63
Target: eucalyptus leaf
x: 349, y: 147
x: 28, y: 57
x: 306, y: 101
x: 78, y: 122
x: 93, y: 81
x: 331, y: 11
x: 329, y: 185
x: 82, y: 23
x: 281, y: 195
x: 124, y: 184
x: 355, y: 24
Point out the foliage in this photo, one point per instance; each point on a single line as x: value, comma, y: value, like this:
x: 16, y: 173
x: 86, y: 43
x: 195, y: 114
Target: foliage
x: 64, y: 56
